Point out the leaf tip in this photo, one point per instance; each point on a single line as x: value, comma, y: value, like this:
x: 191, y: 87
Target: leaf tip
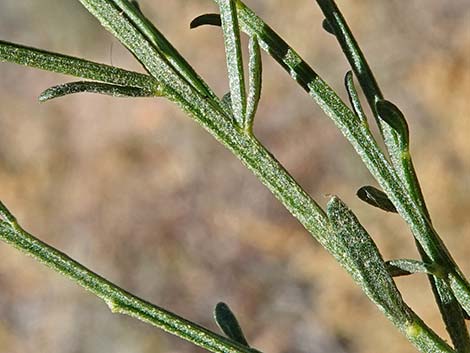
x: 333, y: 205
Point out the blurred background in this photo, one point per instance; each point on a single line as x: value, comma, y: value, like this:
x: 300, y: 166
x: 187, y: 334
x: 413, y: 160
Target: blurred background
x: 139, y: 193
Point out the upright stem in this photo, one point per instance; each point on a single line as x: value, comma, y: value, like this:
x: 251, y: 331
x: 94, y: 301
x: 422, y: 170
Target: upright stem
x: 449, y: 307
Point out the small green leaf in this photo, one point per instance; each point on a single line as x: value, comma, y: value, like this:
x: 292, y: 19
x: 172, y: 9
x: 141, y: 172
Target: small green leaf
x: 95, y: 87
x: 255, y: 81
x: 211, y: 19
x: 354, y: 97
x: 389, y: 112
x: 405, y: 267
x: 228, y: 323
x: 231, y: 31
x: 376, y: 198
x: 355, y: 250
x: 327, y: 27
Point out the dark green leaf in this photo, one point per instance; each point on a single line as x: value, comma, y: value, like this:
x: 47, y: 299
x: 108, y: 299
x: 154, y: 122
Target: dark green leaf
x: 95, y: 87
x: 228, y: 323
x: 211, y: 19
x: 376, y: 198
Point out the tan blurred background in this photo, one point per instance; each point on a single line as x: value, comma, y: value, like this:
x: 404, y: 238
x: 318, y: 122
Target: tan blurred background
x: 139, y: 193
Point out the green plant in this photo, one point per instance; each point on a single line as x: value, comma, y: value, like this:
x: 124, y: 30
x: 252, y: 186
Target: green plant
x: 230, y: 121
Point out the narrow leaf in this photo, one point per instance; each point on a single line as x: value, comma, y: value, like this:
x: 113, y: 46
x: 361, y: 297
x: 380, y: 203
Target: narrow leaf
x: 228, y: 323
x: 376, y: 198
x: 95, y: 87
x: 211, y: 19
x: 390, y: 113
x: 404, y: 267
x: 335, y: 24
x: 358, y: 254
x: 354, y: 97
x: 233, y: 53
x: 163, y: 46
x: 69, y: 65
x: 255, y: 81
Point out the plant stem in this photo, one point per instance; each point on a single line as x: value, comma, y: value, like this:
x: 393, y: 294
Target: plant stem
x: 283, y: 186
x: 207, y: 111
x: 117, y: 299
x: 358, y: 136
x: 448, y: 305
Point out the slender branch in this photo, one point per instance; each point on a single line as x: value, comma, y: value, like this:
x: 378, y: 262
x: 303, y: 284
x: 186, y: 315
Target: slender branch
x: 69, y: 65
x: 402, y: 162
x: 117, y: 299
x: 358, y: 135
x: 208, y: 112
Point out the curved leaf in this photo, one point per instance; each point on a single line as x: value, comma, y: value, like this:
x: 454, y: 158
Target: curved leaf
x: 209, y: 19
x: 228, y: 323
x: 354, y: 97
x: 376, y: 198
x: 95, y: 87
x: 255, y: 70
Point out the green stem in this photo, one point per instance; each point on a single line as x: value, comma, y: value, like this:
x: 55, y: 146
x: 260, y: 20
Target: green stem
x: 283, y: 186
x: 205, y: 111
x: 358, y: 135
x: 402, y: 162
x: 117, y: 299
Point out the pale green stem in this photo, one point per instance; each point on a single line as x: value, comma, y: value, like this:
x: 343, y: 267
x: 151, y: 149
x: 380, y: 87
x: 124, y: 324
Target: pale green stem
x: 117, y: 299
